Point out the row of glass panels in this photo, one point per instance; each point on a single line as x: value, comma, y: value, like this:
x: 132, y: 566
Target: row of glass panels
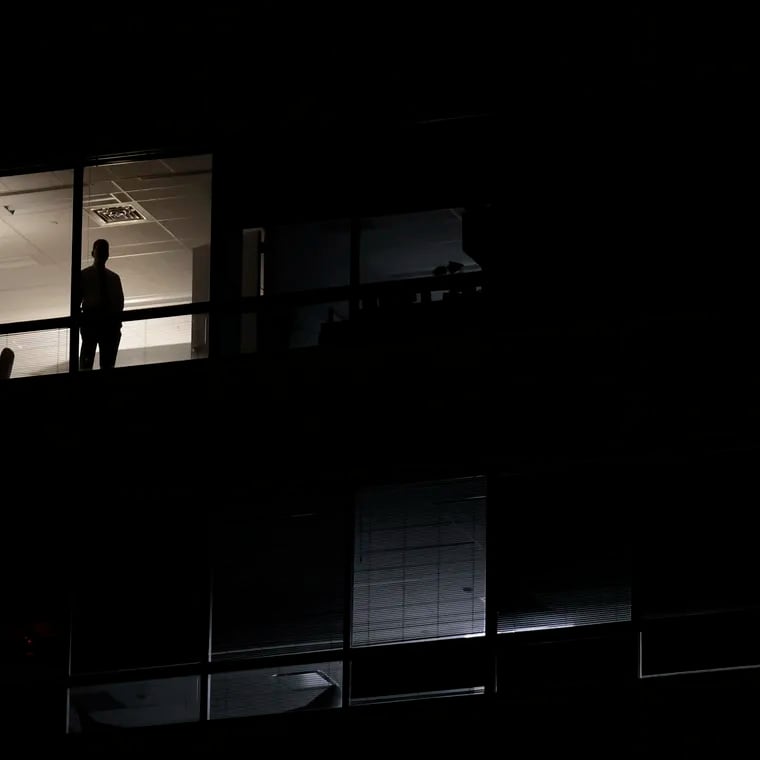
x: 162, y: 701
x: 691, y: 646
x: 419, y: 574
x: 279, y: 581
x: 156, y: 215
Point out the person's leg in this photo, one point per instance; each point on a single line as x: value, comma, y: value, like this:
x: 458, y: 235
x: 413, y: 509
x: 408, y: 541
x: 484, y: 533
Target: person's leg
x: 87, y: 350
x: 109, y: 347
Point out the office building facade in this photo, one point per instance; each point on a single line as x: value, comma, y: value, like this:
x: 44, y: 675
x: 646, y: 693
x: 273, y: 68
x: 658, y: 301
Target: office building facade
x: 415, y: 425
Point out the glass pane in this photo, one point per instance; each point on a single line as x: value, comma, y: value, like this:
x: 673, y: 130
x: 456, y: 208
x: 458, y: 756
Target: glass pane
x: 413, y: 245
x: 568, y: 562
x: 420, y: 671
x: 534, y: 668
x: 716, y: 567
x: 279, y: 575
x: 252, y: 285
x: 156, y: 217
x: 701, y: 642
x: 167, y: 339
x: 306, y: 256
x: 276, y: 690
x: 551, y: 608
x: 36, y: 212
x: 419, y: 566
x: 44, y: 352
x: 140, y: 591
x: 312, y: 324
x: 132, y: 704
x: 252, y: 277
x: 249, y: 337
x: 285, y: 327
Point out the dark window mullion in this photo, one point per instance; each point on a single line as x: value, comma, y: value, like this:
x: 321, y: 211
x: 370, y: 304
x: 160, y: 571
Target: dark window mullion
x: 348, y: 606
x: 492, y: 612
x: 208, y: 623
x: 354, y: 268
x: 76, y: 265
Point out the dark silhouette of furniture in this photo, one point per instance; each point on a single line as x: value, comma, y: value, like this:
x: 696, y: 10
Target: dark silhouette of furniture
x: 6, y: 363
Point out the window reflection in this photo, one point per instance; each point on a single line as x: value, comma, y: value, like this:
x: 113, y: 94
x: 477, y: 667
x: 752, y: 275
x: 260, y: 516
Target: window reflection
x: 413, y: 245
x: 136, y: 703
x: 306, y: 256
x: 268, y: 691
x: 278, y: 578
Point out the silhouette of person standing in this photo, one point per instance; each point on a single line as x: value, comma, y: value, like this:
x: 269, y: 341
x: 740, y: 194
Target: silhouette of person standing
x: 102, y: 305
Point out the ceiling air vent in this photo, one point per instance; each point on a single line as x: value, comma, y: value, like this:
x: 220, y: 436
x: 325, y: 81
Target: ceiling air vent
x: 118, y: 213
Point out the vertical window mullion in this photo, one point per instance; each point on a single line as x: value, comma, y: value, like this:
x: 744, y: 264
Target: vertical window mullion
x: 491, y: 592
x: 76, y: 265
x: 352, y: 535
x: 354, y: 268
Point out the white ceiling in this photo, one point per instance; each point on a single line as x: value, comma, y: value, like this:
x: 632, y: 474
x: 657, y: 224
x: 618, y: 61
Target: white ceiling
x: 153, y: 257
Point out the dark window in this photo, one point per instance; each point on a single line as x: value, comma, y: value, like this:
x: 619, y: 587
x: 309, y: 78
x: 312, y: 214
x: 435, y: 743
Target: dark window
x: 279, y: 574
x: 265, y: 691
x: 564, y: 558
x: 419, y: 562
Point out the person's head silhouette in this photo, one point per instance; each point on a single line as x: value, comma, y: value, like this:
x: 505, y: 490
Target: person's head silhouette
x: 100, y: 251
